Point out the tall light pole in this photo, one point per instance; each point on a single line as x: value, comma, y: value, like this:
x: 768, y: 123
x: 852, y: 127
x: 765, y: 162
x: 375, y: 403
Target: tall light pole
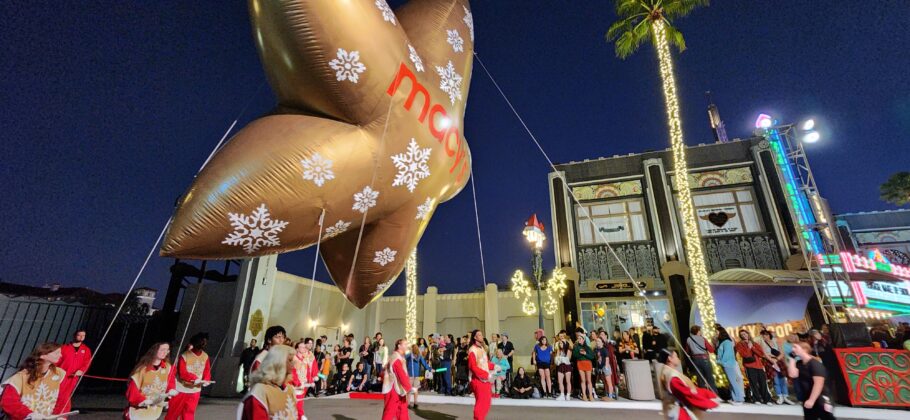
x: 533, y: 232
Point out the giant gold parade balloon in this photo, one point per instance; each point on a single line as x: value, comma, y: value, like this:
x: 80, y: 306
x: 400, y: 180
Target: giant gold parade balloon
x: 368, y: 129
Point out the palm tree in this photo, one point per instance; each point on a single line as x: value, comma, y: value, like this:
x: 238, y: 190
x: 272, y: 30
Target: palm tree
x: 896, y: 190
x: 652, y: 20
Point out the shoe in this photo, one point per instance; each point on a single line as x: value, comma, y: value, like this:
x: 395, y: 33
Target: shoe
x: 788, y: 401
x: 415, y: 406
x: 606, y: 398
x: 737, y: 403
x: 562, y: 397
x: 769, y: 403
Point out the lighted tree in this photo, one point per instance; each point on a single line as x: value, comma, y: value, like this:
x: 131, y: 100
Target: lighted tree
x: 896, y: 190
x: 642, y: 21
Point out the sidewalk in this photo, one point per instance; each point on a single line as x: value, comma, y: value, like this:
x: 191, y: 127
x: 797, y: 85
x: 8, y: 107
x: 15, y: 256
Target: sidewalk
x: 652, y: 406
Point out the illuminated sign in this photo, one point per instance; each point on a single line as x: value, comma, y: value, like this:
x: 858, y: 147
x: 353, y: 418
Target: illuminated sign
x: 875, y: 262
x: 794, y: 194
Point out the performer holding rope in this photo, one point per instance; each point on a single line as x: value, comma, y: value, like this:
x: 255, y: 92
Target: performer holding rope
x: 32, y: 393
x: 271, y: 397
x: 75, y: 359
x: 274, y: 335
x: 396, y: 384
x: 481, y: 368
x: 193, y: 373
x: 304, y: 373
x: 152, y: 383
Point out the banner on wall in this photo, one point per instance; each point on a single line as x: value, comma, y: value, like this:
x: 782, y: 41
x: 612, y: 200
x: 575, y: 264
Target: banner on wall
x: 721, y: 220
x: 780, y: 330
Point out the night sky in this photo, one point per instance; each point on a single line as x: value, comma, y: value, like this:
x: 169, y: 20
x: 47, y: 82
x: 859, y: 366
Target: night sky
x: 109, y: 108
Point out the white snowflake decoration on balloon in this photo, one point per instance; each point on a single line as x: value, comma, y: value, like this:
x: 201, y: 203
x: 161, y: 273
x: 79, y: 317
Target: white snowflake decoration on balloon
x: 337, y: 229
x: 387, y: 14
x: 412, y: 166
x: 454, y: 39
x: 385, y: 256
x: 450, y: 81
x: 469, y: 21
x: 365, y: 199
x: 317, y: 169
x: 418, y: 63
x: 382, y: 286
x: 347, y: 66
x: 423, y: 210
x: 254, y: 231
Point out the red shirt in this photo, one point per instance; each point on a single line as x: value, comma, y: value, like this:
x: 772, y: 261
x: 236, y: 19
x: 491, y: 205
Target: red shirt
x: 74, y: 359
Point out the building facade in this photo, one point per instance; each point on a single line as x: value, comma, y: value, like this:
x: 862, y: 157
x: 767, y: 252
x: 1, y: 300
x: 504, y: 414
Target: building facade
x: 616, y: 222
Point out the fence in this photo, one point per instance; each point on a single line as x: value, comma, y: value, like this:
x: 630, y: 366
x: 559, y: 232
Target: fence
x: 26, y: 322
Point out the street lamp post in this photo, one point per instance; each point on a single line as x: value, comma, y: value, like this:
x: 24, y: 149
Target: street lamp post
x: 533, y: 232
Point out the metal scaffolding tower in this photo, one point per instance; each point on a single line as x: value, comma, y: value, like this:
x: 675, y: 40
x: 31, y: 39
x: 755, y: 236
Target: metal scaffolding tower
x: 819, y: 238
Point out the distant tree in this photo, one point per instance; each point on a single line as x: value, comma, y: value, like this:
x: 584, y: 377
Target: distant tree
x: 896, y: 190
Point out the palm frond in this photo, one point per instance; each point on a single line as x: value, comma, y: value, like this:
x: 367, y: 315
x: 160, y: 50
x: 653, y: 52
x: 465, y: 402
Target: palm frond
x: 674, y: 36
x: 630, y: 40
x: 673, y: 9
x: 626, y: 8
x: 617, y: 28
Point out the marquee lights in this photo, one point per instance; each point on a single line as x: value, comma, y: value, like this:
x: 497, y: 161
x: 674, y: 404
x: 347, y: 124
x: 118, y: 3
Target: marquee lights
x: 875, y: 263
x: 410, y: 325
x: 696, y: 258
x: 521, y: 288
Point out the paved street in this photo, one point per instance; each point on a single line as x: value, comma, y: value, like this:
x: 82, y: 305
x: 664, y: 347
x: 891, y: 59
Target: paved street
x: 347, y: 409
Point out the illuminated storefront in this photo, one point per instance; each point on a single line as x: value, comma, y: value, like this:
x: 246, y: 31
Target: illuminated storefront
x: 616, y: 222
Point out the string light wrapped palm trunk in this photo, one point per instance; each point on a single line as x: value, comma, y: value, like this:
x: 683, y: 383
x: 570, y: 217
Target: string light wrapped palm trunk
x: 696, y: 257
x: 410, y: 323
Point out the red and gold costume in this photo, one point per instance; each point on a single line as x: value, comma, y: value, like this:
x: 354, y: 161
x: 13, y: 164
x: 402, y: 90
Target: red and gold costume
x: 269, y: 402
x: 480, y: 367
x: 192, y: 365
x: 73, y: 358
x: 305, y: 371
x: 149, y: 385
x: 681, y: 399
x: 395, y: 385
x: 20, y: 399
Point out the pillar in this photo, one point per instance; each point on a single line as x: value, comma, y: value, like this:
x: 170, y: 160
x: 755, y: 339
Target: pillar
x: 252, y: 301
x: 491, y: 310
x: 429, y: 311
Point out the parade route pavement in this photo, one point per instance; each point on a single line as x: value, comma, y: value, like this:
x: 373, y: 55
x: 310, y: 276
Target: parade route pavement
x: 434, y: 407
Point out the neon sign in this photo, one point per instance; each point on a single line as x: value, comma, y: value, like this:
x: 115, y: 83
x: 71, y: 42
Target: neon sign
x: 797, y: 199
x: 874, y: 263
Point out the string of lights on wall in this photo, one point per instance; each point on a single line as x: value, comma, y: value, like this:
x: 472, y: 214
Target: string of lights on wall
x: 556, y: 289
x: 521, y: 288
x: 410, y: 325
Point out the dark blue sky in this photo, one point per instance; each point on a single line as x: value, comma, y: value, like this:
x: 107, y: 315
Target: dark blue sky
x: 109, y: 108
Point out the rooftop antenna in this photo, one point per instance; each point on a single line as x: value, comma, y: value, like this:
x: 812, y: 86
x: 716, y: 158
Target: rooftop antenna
x: 717, y: 125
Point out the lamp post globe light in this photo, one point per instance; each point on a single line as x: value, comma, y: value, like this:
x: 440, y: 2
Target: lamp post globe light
x: 534, y: 233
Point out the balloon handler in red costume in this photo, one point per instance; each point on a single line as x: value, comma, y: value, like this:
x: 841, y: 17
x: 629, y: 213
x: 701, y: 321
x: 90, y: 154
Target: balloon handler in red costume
x: 481, y: 375
x: 681, y: 399
x: 151, y: 384
x: 193, y: 373
x: 396, y: 384
x: 271, y: 394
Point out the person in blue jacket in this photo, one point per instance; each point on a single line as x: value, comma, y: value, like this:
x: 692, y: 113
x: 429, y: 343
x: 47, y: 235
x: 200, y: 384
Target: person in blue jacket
x: 726, y: 357
x: 414, y: 361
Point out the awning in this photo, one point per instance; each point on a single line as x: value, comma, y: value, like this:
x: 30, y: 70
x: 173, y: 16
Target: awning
x: 761, y: 276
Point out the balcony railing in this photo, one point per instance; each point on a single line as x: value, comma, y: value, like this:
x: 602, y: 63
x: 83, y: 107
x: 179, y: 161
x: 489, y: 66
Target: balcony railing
x: 757, y: 250
x: 597, y: 263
